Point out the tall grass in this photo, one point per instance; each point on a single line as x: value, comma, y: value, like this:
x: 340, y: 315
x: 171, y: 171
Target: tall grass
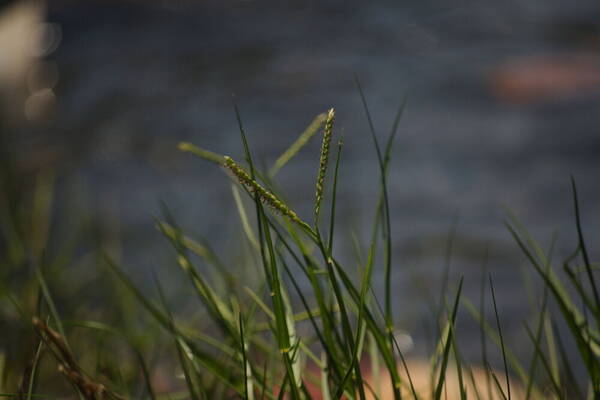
x: 254, y: 341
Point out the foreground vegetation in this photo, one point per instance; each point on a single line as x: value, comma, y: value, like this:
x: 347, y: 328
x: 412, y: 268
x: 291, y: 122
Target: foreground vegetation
x: 66, y: 335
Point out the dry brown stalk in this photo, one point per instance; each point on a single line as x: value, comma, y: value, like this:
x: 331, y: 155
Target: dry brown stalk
x: 67, y: 365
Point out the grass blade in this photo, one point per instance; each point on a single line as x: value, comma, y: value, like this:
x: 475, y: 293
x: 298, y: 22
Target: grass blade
x: 545, y: 363
x: 204, y: 154
x: 248, y: 382
x: 583, y: 247
x: 183, y: 360
x: 501, y: 338
x: 448, y: 343
x: 333, y: 196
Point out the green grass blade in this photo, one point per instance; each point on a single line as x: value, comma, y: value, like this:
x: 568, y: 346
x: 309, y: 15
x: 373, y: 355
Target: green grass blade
x: 545, y: 363
x: 202, y: 153
x: 399, y: 351
x: 183, y: 360
x: 575, y: 281
x: 282, y: 331
x: 575, y: 321
x: 459, y: 364
x: 538, y: 338
x: 244, y: 140
x: 33, y: 373
x: 327, y: 345
x: 50, y: 302
x: 244, y: 217
x: 447, y: 263
x: 330, y: 334
x: 482, y: 335
x: 567, y: 368
x: 551, y: 348
x: 145, y: 374
x: 448, y: 343
x: 334, y: 196
x: 512, y: 359
x: 383, y: 182
x: 497, y: 382
x: 498, y: 325
x: 264, y: 382
x: 583, y: 247
x: 248, y: 382
x: 381, y: 336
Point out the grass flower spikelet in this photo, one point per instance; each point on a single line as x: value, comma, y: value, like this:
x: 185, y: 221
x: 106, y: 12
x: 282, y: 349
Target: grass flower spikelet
x: 263, y: 194
x: 327, y: 133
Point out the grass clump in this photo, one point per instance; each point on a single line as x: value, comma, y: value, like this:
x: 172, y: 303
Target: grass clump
x: 304, y: 327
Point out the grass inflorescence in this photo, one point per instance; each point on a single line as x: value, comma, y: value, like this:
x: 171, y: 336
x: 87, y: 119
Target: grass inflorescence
x: 323, y: 161
x: 263, y: 194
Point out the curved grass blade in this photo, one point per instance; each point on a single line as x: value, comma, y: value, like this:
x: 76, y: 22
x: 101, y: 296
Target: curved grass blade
x: 545, y: 363
x: 400, y: 353
x: 244, y: 217
x: 567, y: 365
x: 448, y: 343
x: 497, y: 382
x: 512, y: 359
x: 248, y: 382
x: 501, y: 338
x: 34, y: 371
x: 482, y: 317
x: 333, y: 196
x: 538, y: 338
x: 380, y: 336
x: 383, y: 161
x: 50, y: 302
x: 326, y: 344
x: 583, y: 247
x: 586, y: 339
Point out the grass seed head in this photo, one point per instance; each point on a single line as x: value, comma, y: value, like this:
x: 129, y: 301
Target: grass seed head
x: 263, y: 194
x: 327, y: 133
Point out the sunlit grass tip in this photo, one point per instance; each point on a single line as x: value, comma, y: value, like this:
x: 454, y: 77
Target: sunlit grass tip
x: 202, y: 153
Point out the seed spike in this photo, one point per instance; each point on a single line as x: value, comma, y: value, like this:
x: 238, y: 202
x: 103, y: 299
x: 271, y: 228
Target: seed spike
x: 327, y: 133
x: 263, y: 194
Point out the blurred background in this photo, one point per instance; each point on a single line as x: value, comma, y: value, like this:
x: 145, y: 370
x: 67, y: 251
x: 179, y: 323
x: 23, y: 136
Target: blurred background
x: 502, y: 102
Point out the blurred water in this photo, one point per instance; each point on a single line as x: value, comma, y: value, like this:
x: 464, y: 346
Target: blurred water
x: 137, y: 78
